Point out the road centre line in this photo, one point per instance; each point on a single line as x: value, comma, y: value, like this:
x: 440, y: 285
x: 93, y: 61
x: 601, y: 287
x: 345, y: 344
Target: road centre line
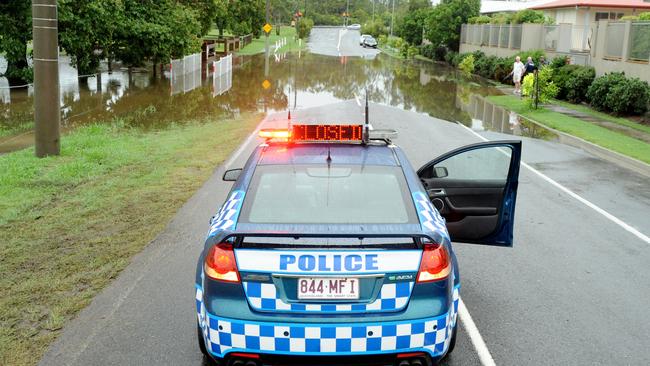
x: 474, y: 335
x: 606, y: 214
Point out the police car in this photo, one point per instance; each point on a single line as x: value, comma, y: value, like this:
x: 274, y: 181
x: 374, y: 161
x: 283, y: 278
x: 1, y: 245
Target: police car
x: 332, y: 249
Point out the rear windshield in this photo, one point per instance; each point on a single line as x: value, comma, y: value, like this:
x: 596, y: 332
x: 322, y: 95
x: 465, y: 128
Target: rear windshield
x: 343, y: 194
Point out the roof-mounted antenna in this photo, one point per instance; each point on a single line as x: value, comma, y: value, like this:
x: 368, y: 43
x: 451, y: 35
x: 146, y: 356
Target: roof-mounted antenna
x: 367, y: 118
x: 366, y: 127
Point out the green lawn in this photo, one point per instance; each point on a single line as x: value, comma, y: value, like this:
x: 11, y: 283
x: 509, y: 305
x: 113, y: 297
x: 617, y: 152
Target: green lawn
x: 70, y: 224
x: 258, y: 45
x: 593, y: 133
x: 605, y: 116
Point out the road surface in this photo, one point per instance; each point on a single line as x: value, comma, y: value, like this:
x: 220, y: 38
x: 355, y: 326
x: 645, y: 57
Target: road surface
x: 574, y: 290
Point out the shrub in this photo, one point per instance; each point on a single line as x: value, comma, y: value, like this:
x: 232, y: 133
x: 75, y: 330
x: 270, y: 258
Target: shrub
x: 428, y: 51
x: 629, y: 97
x: 374, y: 28
x: 440, y: 53
x: 573, y: 82
x: 547, y: 89
x: 597, y: 93
x: 485, y: 66
x: 560, y: 61
x: 467, y: 64
x: 395, y: 42
x: 412, y: 51
x: 457, y: 59
x: 502, y: 68
x: 529, y: 16
x: 615, y: 93
x: 450, y: 56
x: 644, y: 16
x: 578, y: 84
x: 304, y: 27
x: 481, y: 19
x: 382, y: 39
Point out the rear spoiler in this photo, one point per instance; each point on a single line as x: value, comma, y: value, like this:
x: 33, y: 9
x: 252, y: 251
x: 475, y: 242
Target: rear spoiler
x: 237, y: 238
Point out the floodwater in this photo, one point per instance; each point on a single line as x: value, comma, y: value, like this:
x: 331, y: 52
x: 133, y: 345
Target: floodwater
x: 295, y: 81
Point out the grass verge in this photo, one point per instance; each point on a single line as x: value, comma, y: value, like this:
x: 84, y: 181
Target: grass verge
x: 598, y: 135
x: 258, y: 45
x: 71, y: 223
x: 607, y: 117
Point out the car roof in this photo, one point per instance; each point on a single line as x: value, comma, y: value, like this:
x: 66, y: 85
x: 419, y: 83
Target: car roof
x: 317, y: 153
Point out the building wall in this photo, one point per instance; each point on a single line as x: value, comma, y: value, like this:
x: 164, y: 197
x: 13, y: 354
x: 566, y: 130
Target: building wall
x: 535, y: 36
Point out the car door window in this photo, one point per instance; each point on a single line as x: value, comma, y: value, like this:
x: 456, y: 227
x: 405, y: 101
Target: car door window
x: 481, y: 164
x: 474, y: 188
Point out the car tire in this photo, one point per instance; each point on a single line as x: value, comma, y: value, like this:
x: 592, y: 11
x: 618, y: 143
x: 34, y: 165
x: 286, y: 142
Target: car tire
x: 201, y: 340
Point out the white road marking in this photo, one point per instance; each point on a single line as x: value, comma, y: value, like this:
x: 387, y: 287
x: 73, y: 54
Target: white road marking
x: 357, y: 99
x: 474, y: 335
x: 243, y: 146
x: 606, y: 214
x: 341, y: 33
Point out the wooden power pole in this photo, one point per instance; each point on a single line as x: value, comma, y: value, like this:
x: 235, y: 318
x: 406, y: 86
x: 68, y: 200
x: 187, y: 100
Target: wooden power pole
x: 47, y: 115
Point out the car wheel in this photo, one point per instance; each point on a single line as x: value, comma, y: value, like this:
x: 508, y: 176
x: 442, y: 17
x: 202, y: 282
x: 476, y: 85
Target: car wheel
x: 201, y: 340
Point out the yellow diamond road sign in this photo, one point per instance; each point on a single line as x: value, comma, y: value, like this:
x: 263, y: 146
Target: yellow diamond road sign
x: 267, y: 28
x: 266, y: 84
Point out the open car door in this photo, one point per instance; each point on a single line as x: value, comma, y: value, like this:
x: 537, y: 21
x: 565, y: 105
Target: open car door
x: 475, y: 188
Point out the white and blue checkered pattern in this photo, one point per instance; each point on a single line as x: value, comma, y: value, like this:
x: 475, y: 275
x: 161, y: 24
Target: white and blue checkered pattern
x: 227, y: 335
x: 391, y: 297
x: 226, y: 218
x: 430, y: 218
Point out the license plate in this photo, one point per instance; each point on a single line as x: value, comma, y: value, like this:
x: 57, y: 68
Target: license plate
x: 321, y: 288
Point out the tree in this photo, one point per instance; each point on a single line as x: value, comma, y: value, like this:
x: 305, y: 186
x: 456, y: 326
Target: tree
x: 445, y: 20
x: 248, y: 16
x: 87, y: 31
x: 206, y: 11
x: 222, y: 15
x: 157, y: 31
x: 412, y: 26
x: 15, y: 33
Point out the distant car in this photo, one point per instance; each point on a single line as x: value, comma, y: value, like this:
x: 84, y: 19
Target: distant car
x: 363, y: 36
x: 354, y: 26
x: 369, y: 41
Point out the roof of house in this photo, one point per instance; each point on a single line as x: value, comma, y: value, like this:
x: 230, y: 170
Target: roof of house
x: 498, y: 6
x: 636, y: 4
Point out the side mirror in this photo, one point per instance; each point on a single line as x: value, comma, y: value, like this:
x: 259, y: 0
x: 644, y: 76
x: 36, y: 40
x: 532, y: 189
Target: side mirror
x: 231, y: 175
x: 440, y: 172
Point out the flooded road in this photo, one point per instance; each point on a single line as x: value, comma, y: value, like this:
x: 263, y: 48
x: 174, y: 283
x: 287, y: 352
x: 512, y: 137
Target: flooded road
x: 296, y: 81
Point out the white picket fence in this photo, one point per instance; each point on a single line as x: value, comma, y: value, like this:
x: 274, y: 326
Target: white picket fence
x: 185, y: 73
x: 279, y: 44
x: 222, y: 79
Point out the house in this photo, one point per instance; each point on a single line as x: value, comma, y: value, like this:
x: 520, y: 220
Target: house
x: 587, y: 12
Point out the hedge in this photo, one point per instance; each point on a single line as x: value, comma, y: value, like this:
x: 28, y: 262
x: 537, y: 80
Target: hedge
x: 618, y: 94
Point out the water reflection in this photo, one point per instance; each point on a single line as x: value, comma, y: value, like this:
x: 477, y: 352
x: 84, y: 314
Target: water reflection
x: 296, y: 81
x: 490, y: 117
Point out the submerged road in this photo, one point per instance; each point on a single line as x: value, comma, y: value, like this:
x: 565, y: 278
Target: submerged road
x: 574, y: 290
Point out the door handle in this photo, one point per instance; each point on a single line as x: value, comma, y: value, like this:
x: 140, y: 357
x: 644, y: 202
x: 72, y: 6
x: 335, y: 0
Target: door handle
x: 436, y: 192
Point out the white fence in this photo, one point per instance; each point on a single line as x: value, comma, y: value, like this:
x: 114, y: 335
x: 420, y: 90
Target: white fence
x: 185, y: 73
x: 279, y: 44
x: 222, y: 79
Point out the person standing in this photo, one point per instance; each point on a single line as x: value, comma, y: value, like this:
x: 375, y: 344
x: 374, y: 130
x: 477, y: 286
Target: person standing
x: 517, y: 72
x: 529, y: 68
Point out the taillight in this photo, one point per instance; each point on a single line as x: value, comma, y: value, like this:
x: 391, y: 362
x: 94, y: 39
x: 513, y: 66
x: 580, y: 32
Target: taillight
x: 220, y: 263
x: 435, y: 264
